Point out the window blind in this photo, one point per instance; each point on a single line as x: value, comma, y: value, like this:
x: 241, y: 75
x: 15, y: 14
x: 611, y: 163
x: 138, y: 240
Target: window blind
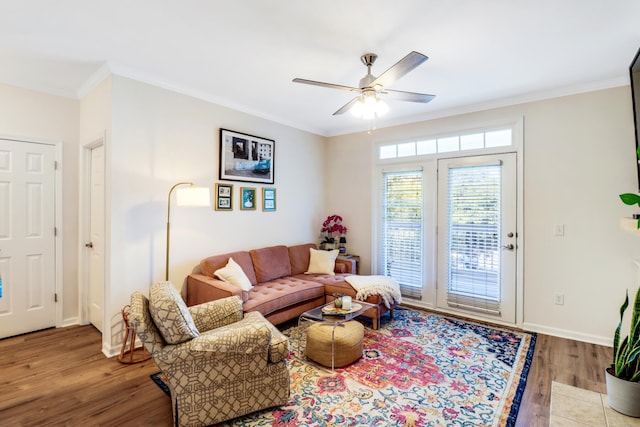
x: 474, y: 207
x: 402, y: 230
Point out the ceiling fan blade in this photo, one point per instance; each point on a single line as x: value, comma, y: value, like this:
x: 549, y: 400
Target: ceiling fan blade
x: 329, y: 85
x: 399, y: 69
x: 408, y: 96
x: 346, y: 107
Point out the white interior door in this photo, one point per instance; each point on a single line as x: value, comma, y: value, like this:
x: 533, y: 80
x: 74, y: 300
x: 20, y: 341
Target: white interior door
x: 477, y: 235
x: 96, y: 244
x: 27, y: 237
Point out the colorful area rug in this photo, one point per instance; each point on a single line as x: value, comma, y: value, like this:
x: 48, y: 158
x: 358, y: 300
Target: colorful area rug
x: 419, y: 369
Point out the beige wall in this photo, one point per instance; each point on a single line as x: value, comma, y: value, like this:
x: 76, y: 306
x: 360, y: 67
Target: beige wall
x: 579, y: 155
x: 160, y: 138
x: 33, y: 115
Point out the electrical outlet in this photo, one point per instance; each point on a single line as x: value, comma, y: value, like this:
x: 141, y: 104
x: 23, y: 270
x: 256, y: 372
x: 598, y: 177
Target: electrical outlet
x: 558, y: 298
x: 558, y: 230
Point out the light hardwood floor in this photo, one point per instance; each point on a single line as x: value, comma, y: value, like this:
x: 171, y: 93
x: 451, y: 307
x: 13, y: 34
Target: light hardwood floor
x: 59, y: 377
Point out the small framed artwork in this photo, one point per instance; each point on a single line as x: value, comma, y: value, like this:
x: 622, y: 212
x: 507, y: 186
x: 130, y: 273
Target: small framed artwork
x: 268, y: 199
x: 247, y: 198
x: 224, y: 197
x: 246, y: 157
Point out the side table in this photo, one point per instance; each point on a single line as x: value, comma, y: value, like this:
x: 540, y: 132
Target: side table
x: 129, y: 353
x: 354, y: 258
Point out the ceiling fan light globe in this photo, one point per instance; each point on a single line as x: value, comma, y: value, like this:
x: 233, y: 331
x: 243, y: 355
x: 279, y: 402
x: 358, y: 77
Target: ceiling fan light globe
x: 357, y: 109
x: 370, y: 101
x: 381, y: 108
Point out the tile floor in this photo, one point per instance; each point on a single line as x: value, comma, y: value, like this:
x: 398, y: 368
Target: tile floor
x: 572, y: 406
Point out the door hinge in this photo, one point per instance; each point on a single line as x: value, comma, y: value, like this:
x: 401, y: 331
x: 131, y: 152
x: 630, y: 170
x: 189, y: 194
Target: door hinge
x: 55, y: 231
x: 55, y: 165
x: 55, y: 297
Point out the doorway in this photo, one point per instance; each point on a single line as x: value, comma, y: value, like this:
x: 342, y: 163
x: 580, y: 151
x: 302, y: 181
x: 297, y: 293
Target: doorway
x: 27, y: 236
x: 477, y: 239
x: 92, y: 264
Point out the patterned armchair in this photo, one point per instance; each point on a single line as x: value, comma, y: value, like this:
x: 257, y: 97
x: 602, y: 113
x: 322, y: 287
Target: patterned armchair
x: 218, y: 364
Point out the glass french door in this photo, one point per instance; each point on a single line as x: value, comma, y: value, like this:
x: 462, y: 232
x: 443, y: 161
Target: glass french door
x: 477, y: 239
x: 402, y: 230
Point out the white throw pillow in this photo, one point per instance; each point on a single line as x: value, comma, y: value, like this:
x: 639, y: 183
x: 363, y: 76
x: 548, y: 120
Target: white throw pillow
x: 322, y: 262
x: 232, y: 273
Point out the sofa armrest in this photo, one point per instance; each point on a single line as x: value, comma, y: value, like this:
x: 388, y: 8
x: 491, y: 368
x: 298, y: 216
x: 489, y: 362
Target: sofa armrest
x: 345, y: 266
x: 279, y: 345
x: 202, y: 288
x: 245, y: 338
x: 143, y: 325
x: 214, y: 314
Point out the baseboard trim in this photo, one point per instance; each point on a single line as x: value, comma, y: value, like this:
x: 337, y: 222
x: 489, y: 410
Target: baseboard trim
x: 572, y: 335
x: 71, y: 321
x: 110, y: 351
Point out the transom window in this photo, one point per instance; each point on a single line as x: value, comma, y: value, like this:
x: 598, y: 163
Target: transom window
x: 448, y: 144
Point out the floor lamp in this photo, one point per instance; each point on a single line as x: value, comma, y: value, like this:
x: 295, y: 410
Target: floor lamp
x: 191, y: 196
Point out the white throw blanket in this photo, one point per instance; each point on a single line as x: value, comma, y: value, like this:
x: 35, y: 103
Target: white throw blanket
x: 386, y: 287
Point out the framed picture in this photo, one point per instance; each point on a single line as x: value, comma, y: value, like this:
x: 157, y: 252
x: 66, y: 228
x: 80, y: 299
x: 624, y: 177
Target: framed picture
x: 247, y: 198
x: 268, y: 199
x: 246, y: 158
x: 224, y: 197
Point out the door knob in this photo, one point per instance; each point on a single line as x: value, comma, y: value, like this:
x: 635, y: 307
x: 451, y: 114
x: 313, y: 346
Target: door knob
x: 510, y: 234
x: 88, y: 245
x: 509, y: 246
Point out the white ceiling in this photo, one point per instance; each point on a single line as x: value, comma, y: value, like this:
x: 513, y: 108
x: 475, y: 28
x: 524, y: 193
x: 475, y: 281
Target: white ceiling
x: 244, y: 53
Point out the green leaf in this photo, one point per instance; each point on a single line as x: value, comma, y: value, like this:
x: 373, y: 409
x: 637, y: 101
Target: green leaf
x: 630, y: 199
x: 617, y: 348
x: 621, y: 359
x: 635, y: 321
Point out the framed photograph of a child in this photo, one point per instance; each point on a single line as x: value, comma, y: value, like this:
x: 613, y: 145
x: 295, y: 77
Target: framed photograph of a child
x: 246, y: 157
x: 224, y: 197
x: 247, y: 198
x: 268, y: 199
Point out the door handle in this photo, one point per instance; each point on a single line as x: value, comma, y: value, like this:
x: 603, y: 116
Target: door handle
x: 509, y: 246
x: 88, y: 245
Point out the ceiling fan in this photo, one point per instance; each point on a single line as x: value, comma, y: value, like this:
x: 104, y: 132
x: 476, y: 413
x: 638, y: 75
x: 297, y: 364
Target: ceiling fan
x: 368, y: 104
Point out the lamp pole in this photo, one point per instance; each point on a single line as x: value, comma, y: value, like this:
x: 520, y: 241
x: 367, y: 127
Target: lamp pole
x: 166, y: 275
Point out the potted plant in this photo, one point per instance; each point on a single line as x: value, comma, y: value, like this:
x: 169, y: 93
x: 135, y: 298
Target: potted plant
x: 623, y: 376
x: 332, y: 225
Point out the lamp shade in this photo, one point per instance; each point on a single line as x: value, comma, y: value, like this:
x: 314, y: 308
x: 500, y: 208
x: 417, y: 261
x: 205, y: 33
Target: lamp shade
x: 193, y: 196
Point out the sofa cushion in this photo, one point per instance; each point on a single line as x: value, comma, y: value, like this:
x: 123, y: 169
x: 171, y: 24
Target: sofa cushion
x: 170, y: 314
x: 233, y: 274
x: 275, y: 295
x: 322, y: 262
x: 242, y: 258
x: 271, y: 263
x: 299, y: 258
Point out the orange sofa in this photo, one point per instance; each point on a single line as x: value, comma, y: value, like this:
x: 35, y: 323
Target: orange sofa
x: 281, y: 289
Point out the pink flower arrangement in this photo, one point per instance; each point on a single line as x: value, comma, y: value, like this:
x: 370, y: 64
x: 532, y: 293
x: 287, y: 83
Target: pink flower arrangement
x: 331, y: 225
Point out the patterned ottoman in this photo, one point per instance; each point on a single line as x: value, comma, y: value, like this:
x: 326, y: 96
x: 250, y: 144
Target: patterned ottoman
x: 347, y: 343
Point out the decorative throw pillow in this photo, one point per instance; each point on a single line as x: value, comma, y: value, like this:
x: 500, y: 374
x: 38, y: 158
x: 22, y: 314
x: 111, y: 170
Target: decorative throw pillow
x: 233, y: 274
x: 170, y: 314
x: 322, y: 262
